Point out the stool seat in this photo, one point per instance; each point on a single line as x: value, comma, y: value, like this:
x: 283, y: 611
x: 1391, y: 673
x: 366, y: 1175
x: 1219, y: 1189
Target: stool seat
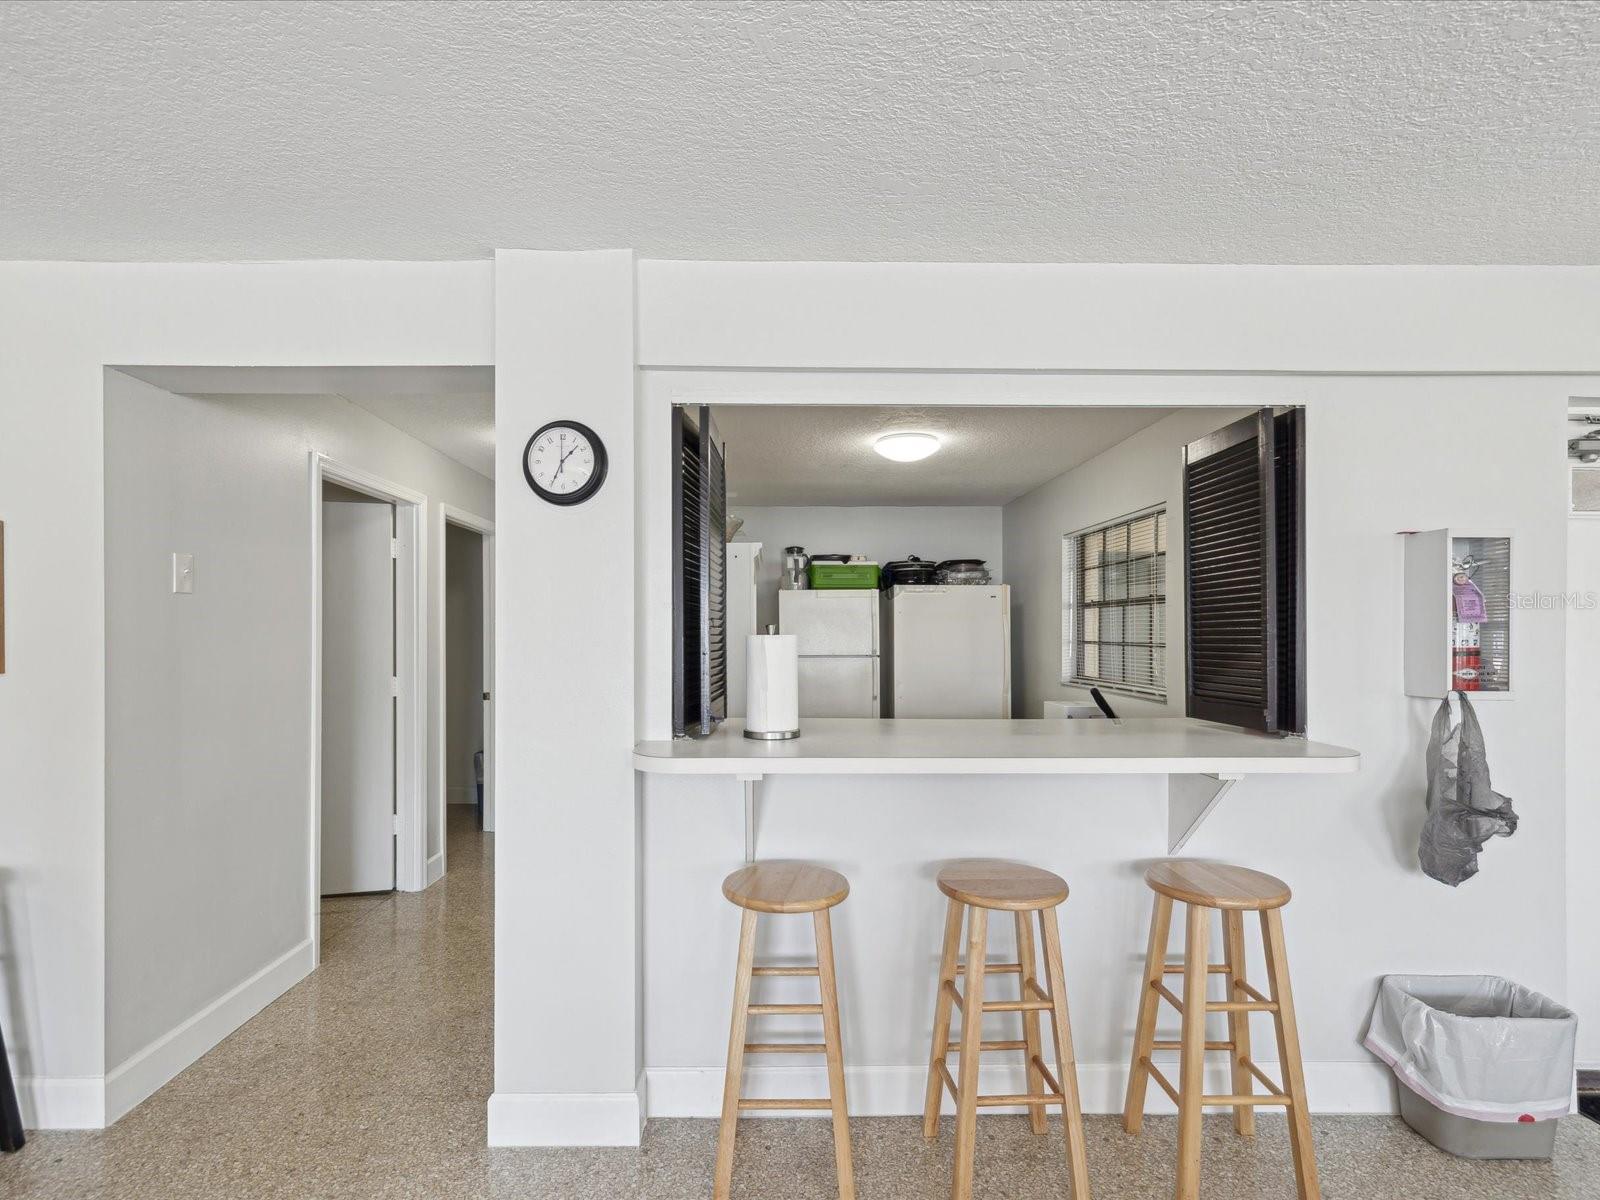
x: 785, y: 887
x: 997, y: 884
x: 1216, y: 885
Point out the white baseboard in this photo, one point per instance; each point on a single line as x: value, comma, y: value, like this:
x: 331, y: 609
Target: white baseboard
x: 433, y: 870
x: 72, y: 1103
x: 566, y: 1119
x: 1334, y: 1087
x: 147, y: 1070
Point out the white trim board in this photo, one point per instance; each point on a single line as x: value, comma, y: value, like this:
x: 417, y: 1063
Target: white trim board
x: 145, y: 1071
x: 674, y: 1092
x: 77, y: 1102
x: 567, y: 1119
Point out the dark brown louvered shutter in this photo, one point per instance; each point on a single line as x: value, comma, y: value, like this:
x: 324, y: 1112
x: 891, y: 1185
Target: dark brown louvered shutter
x: 699, y: 574
x: 1290, y: 492
x: 1231, y: 582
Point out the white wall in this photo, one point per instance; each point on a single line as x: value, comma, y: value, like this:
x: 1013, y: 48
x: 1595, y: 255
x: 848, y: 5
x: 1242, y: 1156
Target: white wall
x: 463, y: 682
x: 567, y: 1053
x: 881, y: 532
x: 1144, y: 470
x: 1583, y: 782
x: 64, y: 323
x: 1383, y: 455
x: 208, y: 697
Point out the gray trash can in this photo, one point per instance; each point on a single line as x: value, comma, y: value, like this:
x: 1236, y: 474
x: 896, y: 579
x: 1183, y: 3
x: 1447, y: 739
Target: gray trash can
x: 1484, y: 1064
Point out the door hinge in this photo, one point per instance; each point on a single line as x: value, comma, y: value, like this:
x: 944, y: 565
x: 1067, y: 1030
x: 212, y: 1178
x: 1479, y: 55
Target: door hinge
x: 397, y: 828
x: 394, y: 547
x: 394, y: 686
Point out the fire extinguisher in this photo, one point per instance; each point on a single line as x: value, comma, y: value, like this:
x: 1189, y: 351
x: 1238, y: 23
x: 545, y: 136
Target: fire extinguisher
x: 1466, y: 659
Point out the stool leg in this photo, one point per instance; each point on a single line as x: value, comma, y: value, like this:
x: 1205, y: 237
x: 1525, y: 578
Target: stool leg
x: 941, y: 1020
x: 1294, y: 1078
x: 1066, y: 1061
x: 1191, y: 1077
x: 732, y: 1082
x: 971, y: 1046
x: 1144, y: 1032
x: 835, y: 1053
x: 1244, y: 1115
x: 1030, y: 1021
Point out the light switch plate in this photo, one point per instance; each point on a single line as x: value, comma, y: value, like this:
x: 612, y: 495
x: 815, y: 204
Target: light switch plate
x: 182, y: 574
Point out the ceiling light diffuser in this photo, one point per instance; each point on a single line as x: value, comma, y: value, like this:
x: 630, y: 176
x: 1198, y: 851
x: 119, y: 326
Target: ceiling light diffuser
x: 906, y: 447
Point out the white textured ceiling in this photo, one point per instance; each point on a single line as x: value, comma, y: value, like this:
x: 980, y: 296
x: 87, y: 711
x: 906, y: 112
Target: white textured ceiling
x: 448, y: 408
x: 1207, y: 131
x: 822, y: 454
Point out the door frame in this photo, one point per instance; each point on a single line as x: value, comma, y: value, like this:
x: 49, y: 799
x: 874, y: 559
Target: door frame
x: 449, y: 514
x: 411, y: 742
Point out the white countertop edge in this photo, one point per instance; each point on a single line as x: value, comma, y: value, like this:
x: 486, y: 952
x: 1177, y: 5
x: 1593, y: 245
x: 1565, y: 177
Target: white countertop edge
x: 1334, y: 765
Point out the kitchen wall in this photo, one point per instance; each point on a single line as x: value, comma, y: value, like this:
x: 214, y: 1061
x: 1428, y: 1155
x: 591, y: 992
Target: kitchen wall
x: 64, y: 323
x: 880, y: 532
x: 463, y: 680
x: 1384, y: 454
x: 1144, y: 470
x: 1583, y: 781
x: 208, y: 697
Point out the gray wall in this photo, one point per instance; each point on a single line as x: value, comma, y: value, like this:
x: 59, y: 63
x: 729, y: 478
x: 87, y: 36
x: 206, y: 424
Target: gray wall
x: 208, y: 695
x: 880, y: 532
x: 1144, y: 470
x: 463, y: 660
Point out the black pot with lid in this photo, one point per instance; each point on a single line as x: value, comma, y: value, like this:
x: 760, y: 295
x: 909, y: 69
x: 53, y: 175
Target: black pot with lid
x: 910, y: 570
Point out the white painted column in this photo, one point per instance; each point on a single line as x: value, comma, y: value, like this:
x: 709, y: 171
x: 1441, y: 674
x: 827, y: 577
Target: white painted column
x: 567, y: 983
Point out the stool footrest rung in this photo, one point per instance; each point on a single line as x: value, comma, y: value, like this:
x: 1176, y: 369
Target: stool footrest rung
x: 765, y: 972
x: 1024, y: 1100
x: 778, y: 1010
x: 1241, y: 1006
x: 1049, y: 1078
x: 955, y: 1047
x: 1249, y: 1065
x: 1276, y: 1100
x: 785, y: 1048
x: 1212, y: 968
x: 1155, y: 1073
x: 1179, y: 1045
x: 993, y: 968
x: 758, y: 1105
x: 1041, y: 1002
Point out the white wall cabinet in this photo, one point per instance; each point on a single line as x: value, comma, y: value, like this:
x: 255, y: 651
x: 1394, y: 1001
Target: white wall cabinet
x: 1458, y: 606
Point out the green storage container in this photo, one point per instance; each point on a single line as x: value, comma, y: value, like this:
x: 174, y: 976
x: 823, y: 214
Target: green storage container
x: 843, y: 575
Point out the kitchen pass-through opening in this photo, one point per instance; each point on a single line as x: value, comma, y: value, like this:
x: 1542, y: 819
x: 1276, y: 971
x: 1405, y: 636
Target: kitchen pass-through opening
x: 992, y: 562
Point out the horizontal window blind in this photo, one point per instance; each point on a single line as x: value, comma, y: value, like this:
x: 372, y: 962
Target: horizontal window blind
x: 1114, y: 605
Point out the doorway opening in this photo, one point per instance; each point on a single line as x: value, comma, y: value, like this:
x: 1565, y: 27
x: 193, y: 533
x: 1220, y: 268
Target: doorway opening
x: 466, y: 668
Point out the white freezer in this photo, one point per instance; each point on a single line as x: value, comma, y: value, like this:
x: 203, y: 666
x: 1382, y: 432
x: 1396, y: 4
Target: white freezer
x: 837, y: 632
x: 947, y: 651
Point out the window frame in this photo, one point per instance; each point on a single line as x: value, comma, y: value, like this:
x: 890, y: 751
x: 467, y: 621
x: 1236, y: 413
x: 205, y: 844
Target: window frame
x: 1074, y: 605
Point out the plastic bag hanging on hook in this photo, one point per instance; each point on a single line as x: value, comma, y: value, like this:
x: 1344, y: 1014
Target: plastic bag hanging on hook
x: 1464, y: 812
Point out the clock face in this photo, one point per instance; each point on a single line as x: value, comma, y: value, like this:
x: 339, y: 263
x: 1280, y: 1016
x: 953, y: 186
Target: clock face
x: 564, y: 462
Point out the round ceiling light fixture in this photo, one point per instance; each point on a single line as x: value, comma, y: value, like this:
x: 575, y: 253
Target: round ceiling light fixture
x: 906, y: 447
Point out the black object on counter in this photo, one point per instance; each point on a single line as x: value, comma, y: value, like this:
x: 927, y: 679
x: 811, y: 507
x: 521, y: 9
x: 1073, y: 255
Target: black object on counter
x: 1100, y: 702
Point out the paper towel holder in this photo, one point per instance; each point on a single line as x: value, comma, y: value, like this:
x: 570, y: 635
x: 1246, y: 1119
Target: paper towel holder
x: 771, y: 735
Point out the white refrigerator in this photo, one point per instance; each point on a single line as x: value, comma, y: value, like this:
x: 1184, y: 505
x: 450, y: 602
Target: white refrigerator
x: 947, y: 650
x: 838, y: 642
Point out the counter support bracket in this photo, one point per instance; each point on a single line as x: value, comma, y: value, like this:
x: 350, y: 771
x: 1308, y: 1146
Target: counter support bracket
x: 752, y: 793
x: 1190, y: 799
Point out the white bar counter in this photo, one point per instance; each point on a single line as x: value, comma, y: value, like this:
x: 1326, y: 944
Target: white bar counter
x: 1178, y: 747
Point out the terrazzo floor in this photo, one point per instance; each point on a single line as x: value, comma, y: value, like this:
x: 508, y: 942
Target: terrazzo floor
x: 370, y: 1078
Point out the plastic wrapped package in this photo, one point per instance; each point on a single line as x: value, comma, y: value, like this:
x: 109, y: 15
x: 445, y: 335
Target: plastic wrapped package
x: 1492, y: 1061
x: 1464, y: 811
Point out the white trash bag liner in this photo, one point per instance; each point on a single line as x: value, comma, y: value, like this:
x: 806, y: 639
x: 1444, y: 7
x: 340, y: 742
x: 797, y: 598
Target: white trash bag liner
x: 1477, y: 1046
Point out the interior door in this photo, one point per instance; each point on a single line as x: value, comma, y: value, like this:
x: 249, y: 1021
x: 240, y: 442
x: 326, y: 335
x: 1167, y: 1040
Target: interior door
x: 488, y: 683
x: 358, y: 701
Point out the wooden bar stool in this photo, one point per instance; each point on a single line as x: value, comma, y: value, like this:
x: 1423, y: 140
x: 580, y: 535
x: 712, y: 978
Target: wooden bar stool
x: 784, y: 887
x: 976, y: 886
x: 1235, y: 891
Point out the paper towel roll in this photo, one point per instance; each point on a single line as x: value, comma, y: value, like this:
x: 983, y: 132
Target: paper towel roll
x: 772, y: 686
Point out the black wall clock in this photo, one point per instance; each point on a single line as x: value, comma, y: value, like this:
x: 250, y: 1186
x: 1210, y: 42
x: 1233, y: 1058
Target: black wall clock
x: 564, y: 462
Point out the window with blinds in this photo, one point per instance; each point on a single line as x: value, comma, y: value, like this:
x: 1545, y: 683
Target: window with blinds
x: 1114, y: 605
